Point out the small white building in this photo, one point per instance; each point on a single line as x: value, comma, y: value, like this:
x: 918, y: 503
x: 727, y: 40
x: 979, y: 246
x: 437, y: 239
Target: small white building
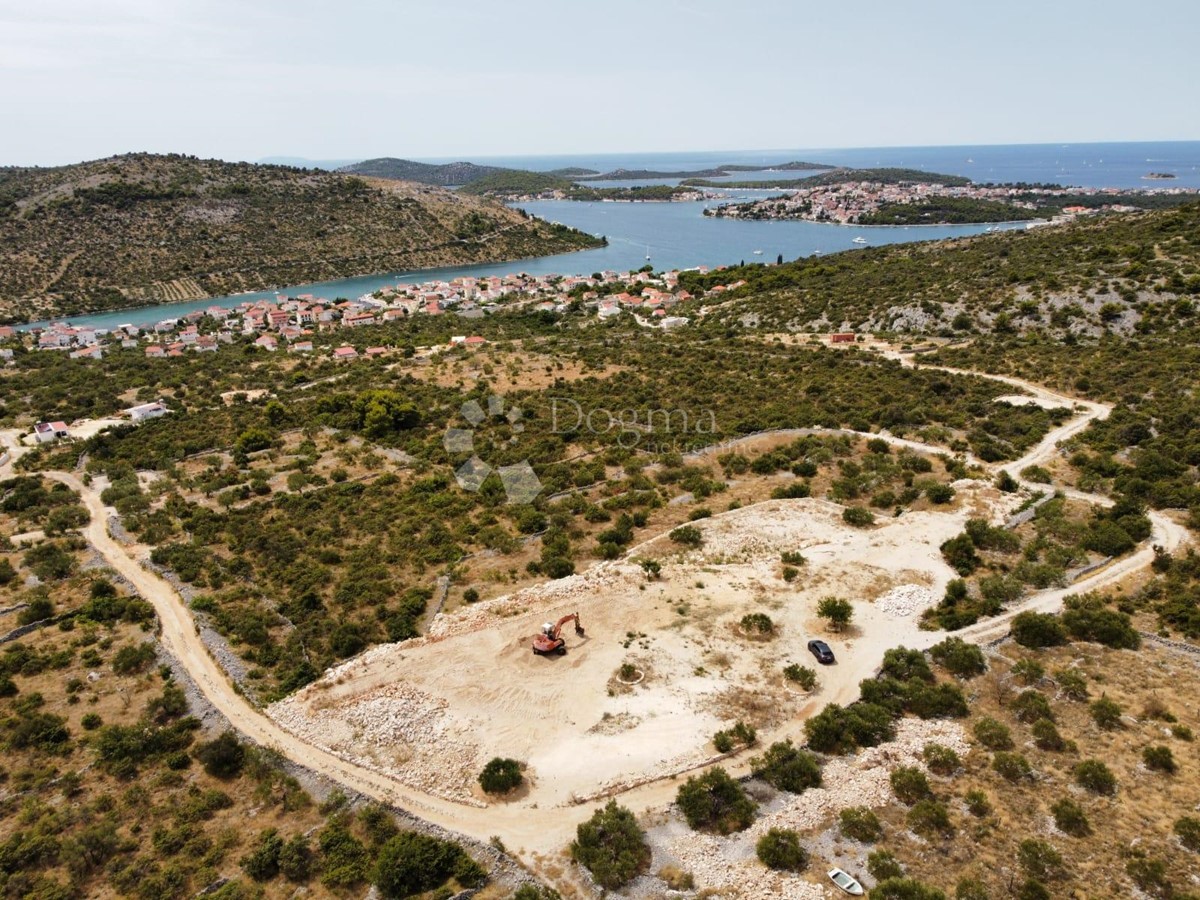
x: 45, y: 432
x: 147, y: 411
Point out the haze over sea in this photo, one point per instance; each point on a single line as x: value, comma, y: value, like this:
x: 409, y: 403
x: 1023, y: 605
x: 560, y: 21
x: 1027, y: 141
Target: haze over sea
x: 678, y: 235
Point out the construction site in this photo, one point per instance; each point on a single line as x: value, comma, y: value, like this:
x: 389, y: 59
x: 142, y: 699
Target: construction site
x: 663, y: 662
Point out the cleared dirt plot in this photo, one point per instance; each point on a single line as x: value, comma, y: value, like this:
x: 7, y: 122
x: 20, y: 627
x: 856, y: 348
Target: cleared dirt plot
x: 432, y: 711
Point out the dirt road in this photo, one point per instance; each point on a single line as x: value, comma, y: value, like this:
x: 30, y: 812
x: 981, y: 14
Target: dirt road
x: 524, y: 829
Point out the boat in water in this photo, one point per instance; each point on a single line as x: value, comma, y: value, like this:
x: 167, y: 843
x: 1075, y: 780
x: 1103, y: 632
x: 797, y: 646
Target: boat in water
x: 859, y: 240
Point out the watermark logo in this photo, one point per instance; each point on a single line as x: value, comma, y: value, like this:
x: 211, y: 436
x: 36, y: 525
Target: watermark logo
x: 521, y: 484
x: 645, y: 429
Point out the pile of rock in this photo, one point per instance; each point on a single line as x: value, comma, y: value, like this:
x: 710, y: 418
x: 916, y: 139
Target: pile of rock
x: 394, y: 729
x: 906, y: 600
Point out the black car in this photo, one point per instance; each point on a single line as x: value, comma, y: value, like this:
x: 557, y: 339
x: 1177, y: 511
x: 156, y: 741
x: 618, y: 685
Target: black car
x: 821, y: 651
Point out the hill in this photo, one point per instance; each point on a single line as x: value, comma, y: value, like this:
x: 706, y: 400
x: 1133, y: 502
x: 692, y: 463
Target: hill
x: 841, y: 176
x: 446, y: 175
x: 142, y: 228
x: 514, y: 181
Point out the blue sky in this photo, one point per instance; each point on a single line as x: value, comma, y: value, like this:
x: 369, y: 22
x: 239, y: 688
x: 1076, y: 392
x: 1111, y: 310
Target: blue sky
x: 358, y: 78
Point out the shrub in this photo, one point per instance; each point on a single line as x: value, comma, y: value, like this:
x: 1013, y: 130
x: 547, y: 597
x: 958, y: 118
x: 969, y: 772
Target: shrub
x: 939, y: 759
x: 1187, y: 829
x: 977, y: 803
x: 959, y: 553
x: 1036, y: 474
x: 838, y: 729
x: 91, y: 721
x: 836, y: 611
x: 1046, y: 736
x: 910, y: 785
x: 993, y: 734
x: 715, y: 802
x: 883, y: 865
x: 1086, y: 621
x: 1006, y: 483
x: 1032, y: 705
x: 1106, y: 713
x: 688, y: 536
x: 958, y: 657
x: 780, y: 849
x: 1070, y: 818
x: 1037, y: 630
x: 792, y: 558
x: 757, y: 625
x: 858, y: 823
x: 500, y: 776
x: 412, y: 863
x: 1039, y: 859
x: 1096, y: 777
x: 787, y: 768
x: 223, y: 756
x: 1011, y: 766
x: 801, y: 676
x: 858, y: 516
x: 133, y: 658
x: 1072, y: 683
x: 1151, y: 876
x: 1028, y: 671
x: 296, y: 859
x: 740, y: 734
x: 971, y: 889
x: 929, y: 818
x: 905, y: 889
x: 611, y: 846
x: 1160, y: 759
x: 262, y: 862
x: 939, y: 492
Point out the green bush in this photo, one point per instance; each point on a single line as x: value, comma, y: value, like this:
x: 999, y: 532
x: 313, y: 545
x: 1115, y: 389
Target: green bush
x: 883, y: 865
x: 1072, y: 683
x: 757, y: 625
x: 1046, y: 736
x: 1037, y: 630
x: 1069, y: 818
x: 1011, y: 766
x: 977, y: 803
x: 500, y: 776
x: 910, y: 785
x: 905, y: 889
x: 222, y: 757
x: 838, y: 729
x: 1160, y: 759
x: 1039, y: 859
x: 780, y: 849
x: 1187, y: 829
x: 1096, y: 777
x: 611, y: 846
x: 1085, y: 621
x: 262, y: 862
x: 858, y: 516
x: 836, y: 611
x: 412, y: 863
x: 1031, y: 705
x: 971, y: 888
x: 296, y: 859
x: 133, y: 658
x: 939, y: 493
x: 715, y: 802
x: 1106, y: 713
x: 930, y: 819
x: 993, y: 734
x: 958, y: 657
x: 940, y: 760
x: 858, y: 823
x: 787, y: 768
x: 1151, y: 876
x: 688, y: 536
x: 740, y: 734
x: 801, y: 676
x: 1028, y: 671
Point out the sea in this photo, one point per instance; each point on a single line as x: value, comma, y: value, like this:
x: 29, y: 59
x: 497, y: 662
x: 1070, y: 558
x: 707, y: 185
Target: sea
x: 679, y: 235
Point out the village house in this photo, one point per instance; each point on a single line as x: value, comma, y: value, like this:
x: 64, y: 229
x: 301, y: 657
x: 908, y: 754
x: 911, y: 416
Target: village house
x: 45, y: 432
x: 345, y: 352
x: 146, y: 411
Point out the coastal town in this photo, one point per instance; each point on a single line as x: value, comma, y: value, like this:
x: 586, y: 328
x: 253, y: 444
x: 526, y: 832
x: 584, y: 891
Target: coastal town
x: 861, y: 202
x: 303, y: 323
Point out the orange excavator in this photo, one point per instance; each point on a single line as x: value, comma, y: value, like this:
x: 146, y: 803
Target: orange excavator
x: 550, y: 639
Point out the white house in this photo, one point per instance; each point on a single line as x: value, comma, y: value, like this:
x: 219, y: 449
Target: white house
x: 147, y: 411
x: 45, y: 432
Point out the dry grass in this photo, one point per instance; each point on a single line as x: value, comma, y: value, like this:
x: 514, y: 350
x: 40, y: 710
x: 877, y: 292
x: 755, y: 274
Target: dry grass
x: 1151, y: 684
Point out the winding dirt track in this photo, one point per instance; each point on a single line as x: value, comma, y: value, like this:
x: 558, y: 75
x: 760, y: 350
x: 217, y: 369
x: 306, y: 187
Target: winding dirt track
x: 521, y: 828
